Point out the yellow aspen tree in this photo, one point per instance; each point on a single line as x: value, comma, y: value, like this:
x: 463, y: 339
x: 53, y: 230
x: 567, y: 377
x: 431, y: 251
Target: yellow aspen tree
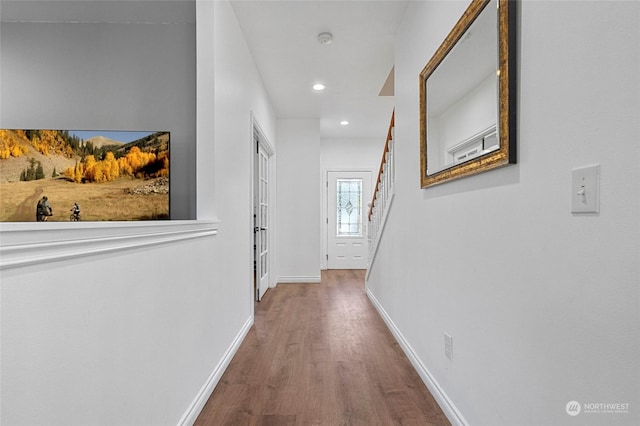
x: 98, y: 172
x: 124, y: 166
x: 164, y: 156
x: 89, y: 165
x: 78, y: 173
x: 70, y: 173
x: 134, y: 157
x: 112, y: 170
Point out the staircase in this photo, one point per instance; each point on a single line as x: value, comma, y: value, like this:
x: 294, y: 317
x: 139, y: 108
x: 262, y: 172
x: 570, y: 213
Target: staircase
x: 382, y: 196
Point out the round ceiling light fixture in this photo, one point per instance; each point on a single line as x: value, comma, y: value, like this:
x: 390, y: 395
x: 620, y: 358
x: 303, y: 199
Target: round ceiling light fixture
x: 344, y: 123
x: 318, y: 87
x: 325, y: 38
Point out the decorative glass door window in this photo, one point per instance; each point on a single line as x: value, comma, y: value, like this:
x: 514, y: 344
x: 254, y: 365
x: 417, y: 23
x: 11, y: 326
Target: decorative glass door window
x: 349, y: 207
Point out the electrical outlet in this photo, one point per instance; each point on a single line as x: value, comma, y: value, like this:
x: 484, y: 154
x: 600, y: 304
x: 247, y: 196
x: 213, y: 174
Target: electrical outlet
x: 448, y: 346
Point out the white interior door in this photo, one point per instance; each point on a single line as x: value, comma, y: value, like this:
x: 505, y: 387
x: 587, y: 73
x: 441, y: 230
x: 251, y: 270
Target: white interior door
x: 348, y: 194
x: 261, y: 219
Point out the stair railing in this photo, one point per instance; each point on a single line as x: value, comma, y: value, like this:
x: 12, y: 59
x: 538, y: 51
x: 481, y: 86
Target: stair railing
x: 382, y: 195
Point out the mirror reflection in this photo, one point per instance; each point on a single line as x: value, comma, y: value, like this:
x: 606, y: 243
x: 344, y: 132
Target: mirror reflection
x: 462, y: 97
x: 468, y: 96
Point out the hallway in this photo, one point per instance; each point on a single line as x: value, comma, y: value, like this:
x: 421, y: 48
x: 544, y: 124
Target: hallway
x: 319, y: 354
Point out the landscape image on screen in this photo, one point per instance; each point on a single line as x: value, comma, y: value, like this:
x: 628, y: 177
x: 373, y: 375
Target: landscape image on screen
x: 106, y: 175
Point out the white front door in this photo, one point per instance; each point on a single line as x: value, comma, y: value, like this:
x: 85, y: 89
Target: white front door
x: 261, y: 222
x: 348, y: 194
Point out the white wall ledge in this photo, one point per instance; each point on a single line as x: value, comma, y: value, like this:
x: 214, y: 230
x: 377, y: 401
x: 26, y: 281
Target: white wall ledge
x: 24, y: 244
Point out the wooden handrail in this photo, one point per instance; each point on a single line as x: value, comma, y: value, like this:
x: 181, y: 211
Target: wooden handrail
x: 382, y: 163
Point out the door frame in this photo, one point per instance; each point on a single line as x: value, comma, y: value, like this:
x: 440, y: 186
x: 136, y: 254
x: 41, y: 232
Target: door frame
x: 257, y: 136
x: 324, y: 225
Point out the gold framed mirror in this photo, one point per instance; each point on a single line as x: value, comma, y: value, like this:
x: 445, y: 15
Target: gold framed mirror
x: 468, y: 96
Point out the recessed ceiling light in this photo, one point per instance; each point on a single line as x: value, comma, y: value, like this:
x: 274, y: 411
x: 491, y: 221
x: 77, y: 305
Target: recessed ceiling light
x: 344, y: 123
x: 325, y: 38
x: 318, y: 87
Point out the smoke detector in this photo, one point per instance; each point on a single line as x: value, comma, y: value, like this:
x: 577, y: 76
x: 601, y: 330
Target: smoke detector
x: 325, y: 38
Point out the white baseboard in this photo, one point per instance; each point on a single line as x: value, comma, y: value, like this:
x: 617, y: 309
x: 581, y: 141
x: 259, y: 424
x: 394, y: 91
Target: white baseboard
x: 301, y: 279
x: 190, y: 416
x: 443, y: 400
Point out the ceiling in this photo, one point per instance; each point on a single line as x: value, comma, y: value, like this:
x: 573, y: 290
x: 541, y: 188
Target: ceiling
x: 282, y: 38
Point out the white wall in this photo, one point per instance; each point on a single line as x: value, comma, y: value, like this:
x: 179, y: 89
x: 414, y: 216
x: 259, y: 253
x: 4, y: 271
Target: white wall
x: 352, y: 153
x: 205, y: 107
x: 240, y: 97
x: 119, y: 338
x: 542, y: 305
x: 298, y: 198
x: 139, y: 333
x: 346, y: 154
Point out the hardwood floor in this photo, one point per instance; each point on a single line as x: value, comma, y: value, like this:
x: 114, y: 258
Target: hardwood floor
x: 319, y: 354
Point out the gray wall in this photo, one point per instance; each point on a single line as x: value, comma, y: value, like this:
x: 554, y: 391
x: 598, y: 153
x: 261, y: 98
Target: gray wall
x: 106, y: 76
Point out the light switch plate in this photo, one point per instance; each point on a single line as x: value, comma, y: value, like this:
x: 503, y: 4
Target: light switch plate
x: 448, y: 346
x: 585, y: 189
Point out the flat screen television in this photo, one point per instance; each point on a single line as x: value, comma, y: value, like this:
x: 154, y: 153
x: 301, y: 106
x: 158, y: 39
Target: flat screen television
x: 105, y: 175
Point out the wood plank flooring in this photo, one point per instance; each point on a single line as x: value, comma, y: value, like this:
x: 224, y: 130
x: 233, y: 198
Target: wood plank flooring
x: 319, y: 354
